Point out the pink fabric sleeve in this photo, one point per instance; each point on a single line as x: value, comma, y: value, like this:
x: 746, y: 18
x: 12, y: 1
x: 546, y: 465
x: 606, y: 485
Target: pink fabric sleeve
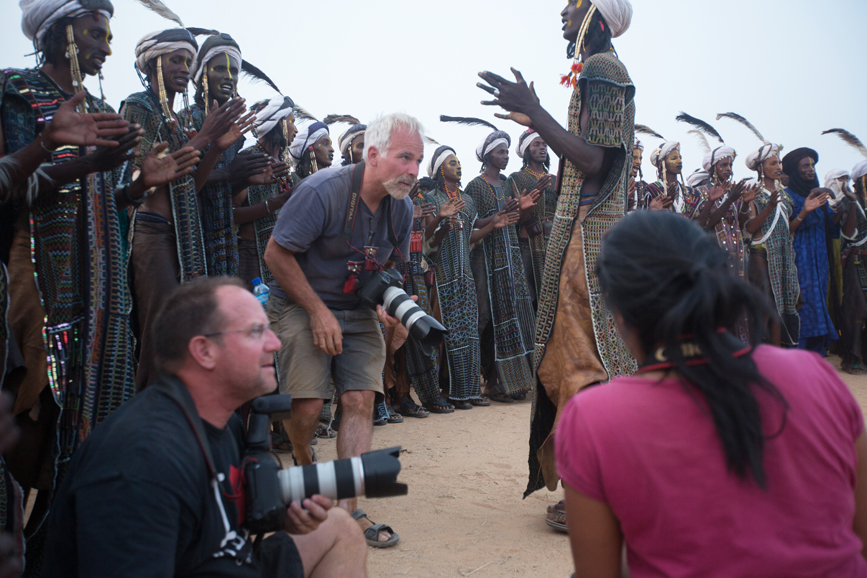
x: 577, y: 460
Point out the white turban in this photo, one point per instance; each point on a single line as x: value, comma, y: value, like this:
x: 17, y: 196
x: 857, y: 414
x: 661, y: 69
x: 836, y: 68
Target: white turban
x: 38, y: 16
x: 716, y: 156
x: 832, y: 176
x: 638, y: 146
x: 438, y: 158
x: 163, y: 42
x: 756, y: 158
x: 491, y: 142
x: 859, y: 170
x: 345, y: 140
x: 306, y: 137
x: 525, y: 141
x: 203, y: 59
x: 617, y: 14
x: 269, y: 115
x: 696, y: 178
x: 661, y: 153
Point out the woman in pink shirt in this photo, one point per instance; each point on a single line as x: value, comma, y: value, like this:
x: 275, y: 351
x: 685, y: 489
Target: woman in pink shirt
x: 717, y: 458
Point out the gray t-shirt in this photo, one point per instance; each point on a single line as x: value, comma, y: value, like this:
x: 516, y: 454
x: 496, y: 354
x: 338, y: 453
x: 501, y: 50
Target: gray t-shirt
x: 311, y: 224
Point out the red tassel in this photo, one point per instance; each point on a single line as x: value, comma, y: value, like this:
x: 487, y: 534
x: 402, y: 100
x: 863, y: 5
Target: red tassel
x: 415, y: 244
x: 352, y: 284
x: 602, y: 25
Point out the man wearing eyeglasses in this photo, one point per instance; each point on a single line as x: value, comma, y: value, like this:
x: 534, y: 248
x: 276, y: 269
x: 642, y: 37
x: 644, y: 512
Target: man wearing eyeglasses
x: 157, y: 489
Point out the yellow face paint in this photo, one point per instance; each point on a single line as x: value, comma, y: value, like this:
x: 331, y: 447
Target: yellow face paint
x: 229, y: 66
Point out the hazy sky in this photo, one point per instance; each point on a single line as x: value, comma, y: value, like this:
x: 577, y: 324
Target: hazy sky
x: 793, y: 67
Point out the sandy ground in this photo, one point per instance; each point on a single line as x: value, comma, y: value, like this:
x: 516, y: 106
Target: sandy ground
x: 464, y: 515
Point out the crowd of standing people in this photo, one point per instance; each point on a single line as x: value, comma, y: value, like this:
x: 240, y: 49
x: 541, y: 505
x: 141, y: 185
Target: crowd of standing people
x: 108, y: 217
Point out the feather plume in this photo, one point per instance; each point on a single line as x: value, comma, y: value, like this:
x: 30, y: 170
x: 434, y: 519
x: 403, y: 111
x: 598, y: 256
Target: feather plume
x: 700, y: 125
x: 335, y: 118
x: 257, y: 75
x: 743, y: 121
x: 848, y: 138
x: 703, y: 143
x: 163, y: 10
x: 644, y: 129
x: 430, y: 141
x: 467, y: 121
x: 303, y: 114
x: 201, y: 31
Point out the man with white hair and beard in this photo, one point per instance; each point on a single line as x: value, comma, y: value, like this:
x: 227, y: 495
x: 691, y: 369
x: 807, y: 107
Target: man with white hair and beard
x: 339, y: 227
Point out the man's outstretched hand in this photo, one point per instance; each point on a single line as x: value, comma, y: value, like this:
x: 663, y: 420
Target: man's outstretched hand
x: 518, y: 98
x: 69, y: 127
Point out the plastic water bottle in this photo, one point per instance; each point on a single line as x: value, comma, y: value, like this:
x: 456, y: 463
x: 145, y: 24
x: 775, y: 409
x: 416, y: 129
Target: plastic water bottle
x: 261, y: 291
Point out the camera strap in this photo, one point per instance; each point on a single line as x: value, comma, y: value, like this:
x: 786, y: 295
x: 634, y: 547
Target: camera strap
x: 353, y: 283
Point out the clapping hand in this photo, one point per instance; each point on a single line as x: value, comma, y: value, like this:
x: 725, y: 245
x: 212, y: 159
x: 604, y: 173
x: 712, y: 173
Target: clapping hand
x: 245, y: 168
x: 816, y: 199
x: 159, y: 169
x: 660, y: 203
x: 69, y: 127
x: 516, y: 97
x: 221, y: 121
x: 423, y: 210
x: 111, y: 157
x: 505, y: 218
x: 717, y: 191
x: 750, y: 193
x: 235, y: 131
x: 529, y: 200
x: 451, y: 208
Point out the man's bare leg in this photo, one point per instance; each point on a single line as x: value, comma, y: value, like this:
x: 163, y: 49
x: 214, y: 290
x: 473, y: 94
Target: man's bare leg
x: 336, y: 548
x: 354, y: 438
x: 302, y: 426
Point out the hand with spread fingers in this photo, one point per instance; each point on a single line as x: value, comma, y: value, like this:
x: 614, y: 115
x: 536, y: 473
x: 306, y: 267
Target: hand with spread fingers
x: 235, y: 131
x: 221, y: 120
x: 111, y: 157
x: 660, y: 203
x: 159, y: 169
x: 504, y: 219
x: 249, y: 169
x: 529, y: 200
x: 423, y: 210
x: 69, y: 127
x: 518, y: 98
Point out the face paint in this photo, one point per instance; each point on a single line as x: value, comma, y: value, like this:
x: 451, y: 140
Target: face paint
x: 229, y: 66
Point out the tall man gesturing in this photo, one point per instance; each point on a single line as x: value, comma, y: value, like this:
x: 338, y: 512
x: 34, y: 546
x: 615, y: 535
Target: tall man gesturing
x: 577, y: 343
x: 329, y: 238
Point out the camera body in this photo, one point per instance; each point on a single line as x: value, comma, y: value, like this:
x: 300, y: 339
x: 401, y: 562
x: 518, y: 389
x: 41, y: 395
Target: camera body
x: 270, y: 489
x: 385, y: 288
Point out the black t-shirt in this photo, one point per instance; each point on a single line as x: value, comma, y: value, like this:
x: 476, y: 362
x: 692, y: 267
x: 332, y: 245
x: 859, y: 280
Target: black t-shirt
x: 138, y: 500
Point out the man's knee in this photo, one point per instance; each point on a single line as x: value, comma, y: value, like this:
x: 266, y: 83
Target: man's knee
x: 345, y: 528
x: 305, y: 410
x: 358, y: 402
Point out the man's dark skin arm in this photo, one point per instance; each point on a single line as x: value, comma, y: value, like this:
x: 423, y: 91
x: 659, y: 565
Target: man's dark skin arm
x: 524, y: 107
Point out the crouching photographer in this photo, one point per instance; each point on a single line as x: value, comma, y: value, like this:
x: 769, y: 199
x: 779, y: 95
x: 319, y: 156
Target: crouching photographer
x: 157, y: 489
x: 334, y: 236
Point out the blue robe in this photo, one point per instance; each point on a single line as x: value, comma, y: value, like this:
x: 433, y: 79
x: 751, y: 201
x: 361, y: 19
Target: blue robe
x: 811, y: 257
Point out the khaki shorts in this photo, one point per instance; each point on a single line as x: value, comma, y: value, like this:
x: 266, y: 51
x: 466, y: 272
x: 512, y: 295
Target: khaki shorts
x: 306, y: 371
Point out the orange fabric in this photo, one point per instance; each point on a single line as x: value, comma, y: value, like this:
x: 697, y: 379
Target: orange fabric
x: 571, y: 360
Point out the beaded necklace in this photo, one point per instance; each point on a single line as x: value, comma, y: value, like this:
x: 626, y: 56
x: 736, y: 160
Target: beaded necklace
x: 494, y: 190
x: 534, y: 173
x: 452, y: 195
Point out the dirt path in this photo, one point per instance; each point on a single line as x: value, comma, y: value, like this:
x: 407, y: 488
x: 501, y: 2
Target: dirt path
x: 464, y: 515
